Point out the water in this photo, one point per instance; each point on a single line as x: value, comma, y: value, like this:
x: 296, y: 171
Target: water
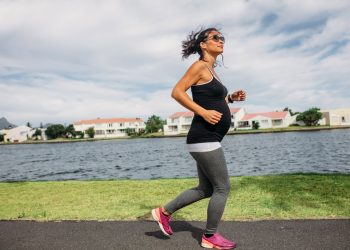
x: 253, y: 154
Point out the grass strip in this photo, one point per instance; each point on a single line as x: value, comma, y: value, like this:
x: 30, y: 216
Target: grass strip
x: 290, y: 196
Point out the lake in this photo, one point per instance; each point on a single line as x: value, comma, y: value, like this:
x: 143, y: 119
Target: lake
x: 326, y: 151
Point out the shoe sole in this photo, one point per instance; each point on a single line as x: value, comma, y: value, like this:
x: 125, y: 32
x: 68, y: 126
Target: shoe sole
x: 156, y: 218
x: 207, y: 244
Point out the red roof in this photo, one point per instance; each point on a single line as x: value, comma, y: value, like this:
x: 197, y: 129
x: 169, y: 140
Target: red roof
x: 190, y: 113
x: 108, y: 120
x: 272, y: 115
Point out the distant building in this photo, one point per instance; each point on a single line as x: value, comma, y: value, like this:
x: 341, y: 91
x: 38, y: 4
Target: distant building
x: 277, y: 119
x: 109, y: 128
x: 180, y: 122
x: 236, y: 115
x: 18, y: 134
x: 336, y: 117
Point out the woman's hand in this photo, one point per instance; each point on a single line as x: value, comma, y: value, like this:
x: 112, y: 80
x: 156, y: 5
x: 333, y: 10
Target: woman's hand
x: 211, y: 116
x: 238, y: 96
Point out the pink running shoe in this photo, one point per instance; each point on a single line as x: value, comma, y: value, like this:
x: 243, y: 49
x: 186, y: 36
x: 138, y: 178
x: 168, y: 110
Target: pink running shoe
x: 217, y: 241
x: 163, y: 220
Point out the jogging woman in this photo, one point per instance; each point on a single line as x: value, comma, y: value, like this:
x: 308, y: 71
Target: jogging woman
x: 211, y: 121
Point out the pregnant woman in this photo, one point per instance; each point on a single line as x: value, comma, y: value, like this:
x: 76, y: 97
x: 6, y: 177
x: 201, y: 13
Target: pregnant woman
x: 212, y: 120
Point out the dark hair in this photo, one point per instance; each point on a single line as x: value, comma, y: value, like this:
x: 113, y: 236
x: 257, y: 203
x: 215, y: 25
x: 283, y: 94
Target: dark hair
x: 192, y: 44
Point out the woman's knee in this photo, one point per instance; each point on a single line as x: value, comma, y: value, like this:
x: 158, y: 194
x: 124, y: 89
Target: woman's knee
x: 224, y: 188
x: 205, y: 191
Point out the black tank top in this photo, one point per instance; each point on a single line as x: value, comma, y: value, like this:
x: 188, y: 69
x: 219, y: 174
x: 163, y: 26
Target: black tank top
x: 210, y: 96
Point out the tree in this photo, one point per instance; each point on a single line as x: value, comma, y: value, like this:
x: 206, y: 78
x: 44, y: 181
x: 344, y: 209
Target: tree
x: 80, y: 134
x: 141, y: 131
x: 70, y: 130
x: 310, y: 117
x: 29, y: 125
x: 153, y: 124
x: 55, y: 131
x: 41, y: 125
x: 256, y: 125
x: 90, y: 132
x: 37, y: 133
x: 290, y: 111
x: 1, y: 137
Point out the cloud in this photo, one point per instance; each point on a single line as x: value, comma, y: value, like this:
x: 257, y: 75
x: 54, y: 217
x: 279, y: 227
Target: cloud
x: 67, y: 100
x: 62, y: 61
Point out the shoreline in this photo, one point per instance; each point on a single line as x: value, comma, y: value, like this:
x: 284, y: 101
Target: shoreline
x: 158, y: 135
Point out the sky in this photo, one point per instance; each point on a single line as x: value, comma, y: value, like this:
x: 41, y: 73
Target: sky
x: 67, y: 60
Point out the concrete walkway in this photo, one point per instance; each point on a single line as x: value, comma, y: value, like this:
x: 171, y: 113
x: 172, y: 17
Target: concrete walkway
x: 260, y: 235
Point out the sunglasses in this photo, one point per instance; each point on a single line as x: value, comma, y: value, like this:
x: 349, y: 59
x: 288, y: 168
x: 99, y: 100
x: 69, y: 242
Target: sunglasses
x: 217, y: 38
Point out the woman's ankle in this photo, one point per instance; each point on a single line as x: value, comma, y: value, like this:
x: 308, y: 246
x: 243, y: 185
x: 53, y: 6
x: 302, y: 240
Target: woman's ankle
x: 164, y: 211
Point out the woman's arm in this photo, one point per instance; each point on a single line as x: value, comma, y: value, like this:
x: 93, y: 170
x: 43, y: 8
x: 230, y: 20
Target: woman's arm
x: 192, y: 76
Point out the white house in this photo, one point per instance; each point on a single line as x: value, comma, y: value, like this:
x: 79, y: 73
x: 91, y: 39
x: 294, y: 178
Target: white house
x: 276, y: 119
x: 112, y: 127
x: 18, y: 134
x: 236, y: 115
x: 336, y: 117
x: 180, y: 122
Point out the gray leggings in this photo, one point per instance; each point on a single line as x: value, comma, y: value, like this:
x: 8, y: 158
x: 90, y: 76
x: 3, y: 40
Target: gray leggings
x: 214, y: 182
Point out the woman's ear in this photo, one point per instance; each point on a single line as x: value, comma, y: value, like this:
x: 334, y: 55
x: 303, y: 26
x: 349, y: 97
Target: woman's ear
x: 203, y: 45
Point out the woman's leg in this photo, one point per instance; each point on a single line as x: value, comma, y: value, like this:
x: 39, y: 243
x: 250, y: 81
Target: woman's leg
x: 213, y: 165
x: 203, y: 190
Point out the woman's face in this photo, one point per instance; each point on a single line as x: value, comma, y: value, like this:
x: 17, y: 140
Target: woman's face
x: 215, y: 42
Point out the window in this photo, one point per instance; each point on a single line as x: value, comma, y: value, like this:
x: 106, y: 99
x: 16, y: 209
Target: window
x: 188, y: 119
x: 342, y: 119
x: 243, y: 124
x: 277, y: 122
x: 110, y: 125
x: 264, y: 121
x: 121, y: 124
x: 172, y: 128
x: 185, y: 127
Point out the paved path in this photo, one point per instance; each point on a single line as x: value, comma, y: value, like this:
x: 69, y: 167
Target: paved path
x: 260, y: 235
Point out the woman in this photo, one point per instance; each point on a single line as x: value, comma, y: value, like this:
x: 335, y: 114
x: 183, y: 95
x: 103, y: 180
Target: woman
x: 212, y: 120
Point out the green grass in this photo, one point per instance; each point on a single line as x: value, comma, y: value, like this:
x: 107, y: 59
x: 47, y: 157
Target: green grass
x: 149, y: 135
x: 294, y: 196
